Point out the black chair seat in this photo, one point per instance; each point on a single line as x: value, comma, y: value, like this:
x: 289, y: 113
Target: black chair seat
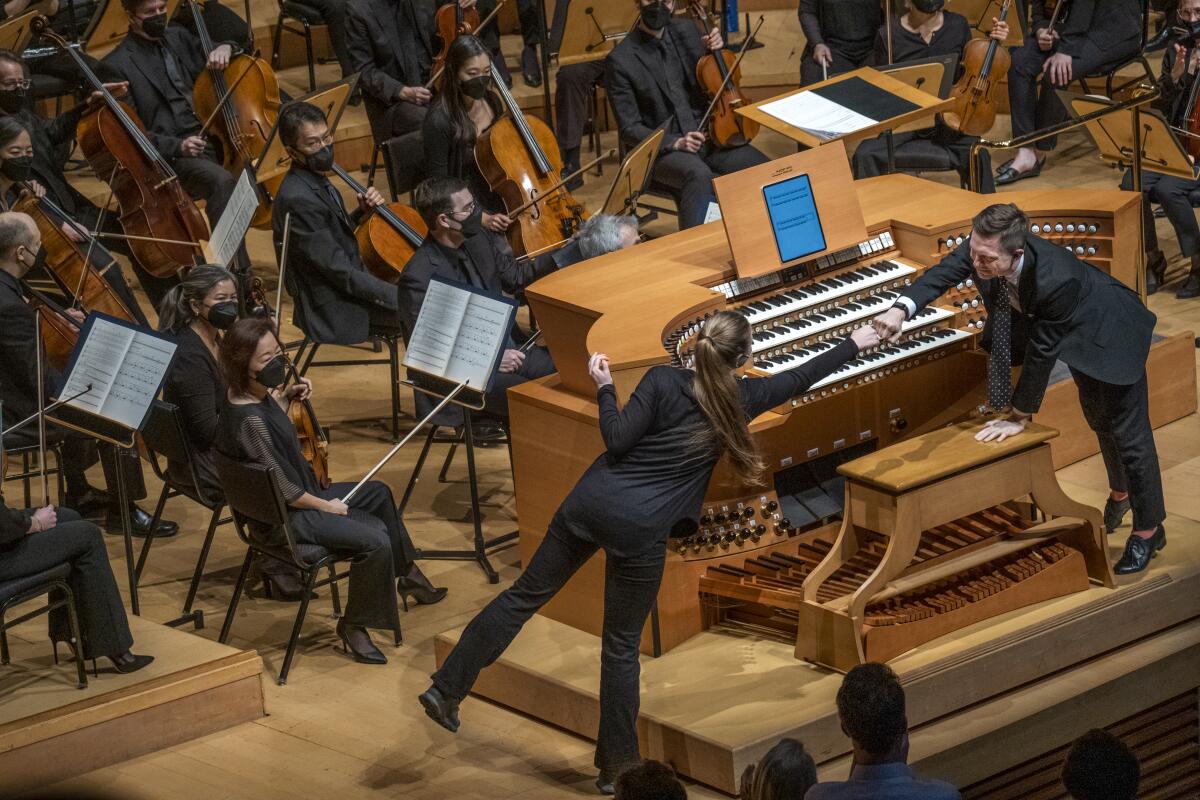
x: 308, y: 553
x: 16, y: 586
x: 303, y: 12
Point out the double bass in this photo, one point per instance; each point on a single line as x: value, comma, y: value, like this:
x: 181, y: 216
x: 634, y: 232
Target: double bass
x: 163, y: 224
x: 718, y: 74
x: 985, y: 64
x: 519, y: 158
x: 388, y: 236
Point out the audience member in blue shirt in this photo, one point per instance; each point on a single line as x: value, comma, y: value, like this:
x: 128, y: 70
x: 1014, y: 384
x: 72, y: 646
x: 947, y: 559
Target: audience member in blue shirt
x: 871, y: 709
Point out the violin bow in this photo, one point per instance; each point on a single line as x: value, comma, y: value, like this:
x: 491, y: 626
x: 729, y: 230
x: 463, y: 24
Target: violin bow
x: 87, y: 257
x: 221, y: 103
x: 729, y: 73
x: 562, y: 182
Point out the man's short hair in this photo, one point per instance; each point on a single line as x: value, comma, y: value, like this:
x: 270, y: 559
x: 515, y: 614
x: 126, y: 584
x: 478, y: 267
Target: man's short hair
x: 1100, y: 766
x: 603, y: 234
x: 435, y: 196
x: 293, y: 117
x: 870, y: 704
x: 12, y: 58
x: 1006, y: 221
x: 649, y: 780
x: 14, y: 232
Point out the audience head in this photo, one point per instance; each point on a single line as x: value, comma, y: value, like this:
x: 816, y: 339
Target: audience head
x: 607, y: 233
x: 250, y: 358
x: 449, y: 209
x: 305, y: 134
x: 723, y: 345
x: 870, y: 706
x: 207, y: 293
x: 998, y: 240
x: 786, y: 772
x: 1100, y: 766
x: 649, y: 780
x: 147, y: 18
x: 14, y: 83
x: 19, y: 243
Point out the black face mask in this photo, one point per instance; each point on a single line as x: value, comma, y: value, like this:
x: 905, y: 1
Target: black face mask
x: 473, y: 224
x: 320, y: 161
x: 14, y: 100
x: 38, y: 258
x: 656, y: 16
x: 155, y: 27
x: 18, y: 168
x: 274, y: 373
x: 476, y: 88
x: 928, y: 6
x: 222, y: 315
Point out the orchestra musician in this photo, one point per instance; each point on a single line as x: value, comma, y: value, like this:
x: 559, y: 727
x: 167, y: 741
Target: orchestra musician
x: 573, y: 87
x: 161, y: 64
x: 1046, y: 305
x: 660, y: 451
x: 254, y: 427
x: 222, y: 23
x: 599, y: 234
x: 839, y: 36
x: 651, y: 81
x: 1094, y: 36
x: 337, y: 299
x: 458, y: 247
x: 463, y: 109
x: 925, y: 31
x: 391, y: 49
x: 19, y: 246
x: 1180, y: 63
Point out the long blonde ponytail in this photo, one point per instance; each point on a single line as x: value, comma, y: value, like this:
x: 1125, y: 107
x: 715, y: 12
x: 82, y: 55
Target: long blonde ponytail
x: 726, y: 337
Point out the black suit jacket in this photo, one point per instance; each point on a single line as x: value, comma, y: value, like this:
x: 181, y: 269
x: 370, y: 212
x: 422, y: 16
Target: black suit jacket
x: 637, y: 88
x: 325, y: 275
x: 1069, y: 310
x: 48, y: 135
x: 1113, y: 26
x: 18, y: 354
x: 390, y: 48
x: 14, y: 524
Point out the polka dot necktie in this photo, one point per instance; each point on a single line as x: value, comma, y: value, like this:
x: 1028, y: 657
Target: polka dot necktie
x: 1000, y: 356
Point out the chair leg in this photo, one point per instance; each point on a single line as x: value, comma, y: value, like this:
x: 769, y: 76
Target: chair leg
x: 416, y: 473
x: 296, y: 359
x: 308, y: 48
x: 202, y: 559
x: 25, y: 479
x: 335, y: 595
x: 73, y: 623
x: 374, y: 164
x: 158, y: 510
x: 394, y: 366
x: 237, y: 595
x: 276, y: 41
x: 4, y: 658
x: 446, y: 464
x: 310, y: 355
x: 310, y: 577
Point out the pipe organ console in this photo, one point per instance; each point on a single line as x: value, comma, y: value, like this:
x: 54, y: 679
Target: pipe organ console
x: 644, y: 306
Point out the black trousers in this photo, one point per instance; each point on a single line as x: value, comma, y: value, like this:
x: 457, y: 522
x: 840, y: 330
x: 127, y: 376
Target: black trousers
x: 923, y: 150
x: 537, y: 364
x: 1173, y: 194
x: 376, y: 538
x: 1120, y: 417
x: 630, y: 588
x: 572, y: 95
x: 102, y: 621
x: 811, y: 72
x: 688, y: 177
x: 1033, y: 110
x: 80, y: 452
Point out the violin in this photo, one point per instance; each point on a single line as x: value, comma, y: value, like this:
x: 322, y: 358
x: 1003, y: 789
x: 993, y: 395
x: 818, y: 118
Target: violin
x: 519, y: 158
x: 718, y: 74
x: 241, y: 102
x: 69, y: 264
x: 163, y: 223
x: 450, y: 22
x: 388, y: 236
x: 985, y: 62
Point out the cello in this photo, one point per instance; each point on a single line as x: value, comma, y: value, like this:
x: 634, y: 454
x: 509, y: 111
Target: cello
x: 163, y: 223
x: 388, y: 236
x: 241, y: 102
x: 451, y: 21
x: 519, y: 158
x: 718, y: 74
x: 59, y: 332
x: 985, y: 63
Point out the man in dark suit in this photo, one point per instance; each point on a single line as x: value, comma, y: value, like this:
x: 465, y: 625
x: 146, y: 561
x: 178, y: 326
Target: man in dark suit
x: 19, y: 244
x: 391, y: 48
x: 1095, y: 35
x: 338, y: 300
x: 161, y: 64
x: 651, y: 81
x: 459, y: 249
x: 1044, y: 305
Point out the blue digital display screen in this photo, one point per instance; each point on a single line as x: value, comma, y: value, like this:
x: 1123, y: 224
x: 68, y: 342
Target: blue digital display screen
x: 794, y: 218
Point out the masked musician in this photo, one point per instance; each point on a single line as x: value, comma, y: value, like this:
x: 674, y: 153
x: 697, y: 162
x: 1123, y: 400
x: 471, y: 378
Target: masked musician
x: 839, y: 35
x: 651, y: 81
x: 254, y: 427
x: 1094, y: 36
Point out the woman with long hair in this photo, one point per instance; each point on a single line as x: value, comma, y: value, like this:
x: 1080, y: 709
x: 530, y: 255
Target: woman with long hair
x: 649, y: 483
x: 254, y: 427
x: 465, y: 108
x: 786, y: 772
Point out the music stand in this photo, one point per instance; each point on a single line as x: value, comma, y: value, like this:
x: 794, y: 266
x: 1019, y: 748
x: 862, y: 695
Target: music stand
x: 593, y: 28
x: 632, y: 177
x: 110, y: 26
x: 16, y: 33
x: 275, y: 161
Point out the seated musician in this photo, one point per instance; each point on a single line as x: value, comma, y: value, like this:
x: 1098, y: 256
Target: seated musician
x: 19, y: 246
x: 573, y: 87
x: 390, y: 47
x: 337, y: 299
x: 161, y: 64
x: 222, y: 23
x: 254, y: 427
x: 459, y: 248
x: 598, y: 235
x: 651, y: 81
x: 35, y: 540
x: 925, y: 31
x: 464, y: 108
x: 1045, y: 305
x: 1095, y: 35
x: 1180, y: 63
x: 838, y: 37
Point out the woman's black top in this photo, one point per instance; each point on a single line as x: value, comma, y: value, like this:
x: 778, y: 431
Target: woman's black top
x: 196, y: 387
x: 651, y: 480
x: 446, y: 159
x: 950, y: 39
x: 261, y: 433
x: 847, y: 26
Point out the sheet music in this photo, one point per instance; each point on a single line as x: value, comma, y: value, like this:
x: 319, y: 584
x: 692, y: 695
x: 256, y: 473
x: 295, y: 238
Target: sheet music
x: 137, y: 381
x: 432, y: 340
x: 483, y: 332
x: 817, y: 115
x: 235, y: 221
x: 459, y: 334
x: 98, y: 363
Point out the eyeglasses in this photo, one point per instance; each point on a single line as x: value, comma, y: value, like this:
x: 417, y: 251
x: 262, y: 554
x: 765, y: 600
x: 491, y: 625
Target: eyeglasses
x: 10, y: 86
x: 470, y: 209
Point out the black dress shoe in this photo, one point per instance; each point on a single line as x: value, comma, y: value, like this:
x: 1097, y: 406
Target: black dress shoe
x: 1007, y: 174
x: 90, y: 503
x: 357, y: 642
x: 442, y: 711
x: 1114, y: 512
x: 531, y: 70
x: 1160, y: 40
x: 1156, y: 271
x: 1139, y: 551
x: 575, y: 182
x: 1190, y: 287
x: 605, y: 781
x: 139, y: 524
x: 127, y: 662
x: 418, y: 587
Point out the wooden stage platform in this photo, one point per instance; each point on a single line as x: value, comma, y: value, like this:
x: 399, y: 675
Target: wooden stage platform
x: 51, y: 730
